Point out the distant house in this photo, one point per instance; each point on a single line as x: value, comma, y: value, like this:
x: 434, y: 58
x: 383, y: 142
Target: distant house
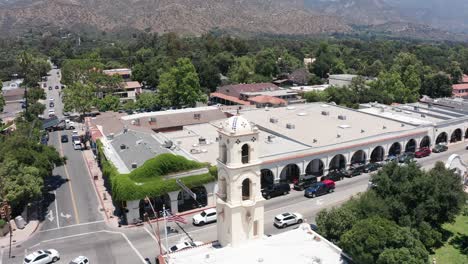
x: 231, y: 94
x: 13, y: 84
x: 127, y: 91
x: 308, y: 62
x: 267, y: 101
x: 125, y: 73
x: 461, y: 89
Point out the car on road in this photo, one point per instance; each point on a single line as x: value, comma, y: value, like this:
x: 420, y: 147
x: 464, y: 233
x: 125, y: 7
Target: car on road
x: 304, y: 184
x: 422, y: 152
x: 51, y: 104
x: 391, y: 158
x: 372, y: 166
x: 77, y: 145
x: 320, y: 188
x: 50, y: 87
x: 406, y: 157
x: 51, y: 99
x: 184, y: 245
x: 80, y: 260
x: 287, y: 219
x: 64, y: 138
x: 439, y: 148
x: 276, y: 190
x: 56, y: 86
x: 335, y: 175
x: 355, y: 170
x: 42, y: 257
x: 205, y: 217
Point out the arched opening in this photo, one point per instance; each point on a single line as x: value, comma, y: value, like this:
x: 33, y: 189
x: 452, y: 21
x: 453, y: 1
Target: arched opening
x: 359, y: 157
x: 338, y: 162
x: 290, y: 173
x: 146, y: 207
x: 410, y: 146
x: 245, y: 153
x: 315, y: 167
x: 266, y: 178
x: 223, y: 154
x: 186, y: 202
x: 395, y: 149
x: 425, y: 142
x: 246, y: 184
x: 441, y: 138
x: 377, y: 154
x: 456, y: 135
x: 466, y: 134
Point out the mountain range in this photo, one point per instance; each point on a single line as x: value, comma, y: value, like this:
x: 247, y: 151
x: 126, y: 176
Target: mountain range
x: 403, y: 18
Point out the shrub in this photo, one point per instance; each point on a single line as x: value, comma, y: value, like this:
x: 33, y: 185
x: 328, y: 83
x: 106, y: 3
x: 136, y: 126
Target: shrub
x: 148, y: 179
x: 2, y: 223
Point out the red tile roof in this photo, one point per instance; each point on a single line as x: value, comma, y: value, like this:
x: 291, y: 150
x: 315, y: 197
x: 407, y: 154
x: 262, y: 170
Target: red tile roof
x: 465, y: 78
x: 266, y: 99
x: 229, y: 98
x: 236, y: 89
x: 460, y: 86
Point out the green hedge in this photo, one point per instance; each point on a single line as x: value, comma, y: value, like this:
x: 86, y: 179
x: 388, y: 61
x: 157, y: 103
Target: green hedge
x: 2, y: 223
x: 148, y: 179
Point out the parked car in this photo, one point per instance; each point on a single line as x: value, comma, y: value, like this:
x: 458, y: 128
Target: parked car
x: 391, y: 158
x: 56, y: 87
x: 355, y: 170
x: 335, y: 175
x: 372, y: 166
x: 304, y: 184
x: 80, y: 260
x: 422, y: 152
x: 50, y: 87
x: 64, y: 138
x: 276, y: 190
x: 205, y: 217
x: 406, y: 157
x: 51, y: 104
x: 185, y: 245
x: 42, y: 257
x: 287, y: 219
x: 77, y: 145
x: 320, y: 188
x: 51, y: 99
x: 439, y: 148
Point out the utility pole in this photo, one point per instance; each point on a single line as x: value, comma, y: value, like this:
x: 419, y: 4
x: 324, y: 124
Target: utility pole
x: 157, y: 225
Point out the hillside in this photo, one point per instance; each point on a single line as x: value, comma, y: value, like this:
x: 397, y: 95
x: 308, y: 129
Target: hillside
x: 182, y: 16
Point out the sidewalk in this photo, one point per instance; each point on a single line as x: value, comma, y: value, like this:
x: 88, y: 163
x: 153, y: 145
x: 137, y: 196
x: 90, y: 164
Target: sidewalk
x: 19, y: 235
x: 104, y: 197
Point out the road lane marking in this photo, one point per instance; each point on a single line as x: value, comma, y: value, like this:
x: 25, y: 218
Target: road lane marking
x: 56, y: 209
x: 68, y: 226
x: 130, y: 243
x: 75, y: 209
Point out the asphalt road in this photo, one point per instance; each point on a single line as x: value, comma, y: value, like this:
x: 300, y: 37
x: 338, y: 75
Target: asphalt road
x: 53, y: 80
x: 85, y: 233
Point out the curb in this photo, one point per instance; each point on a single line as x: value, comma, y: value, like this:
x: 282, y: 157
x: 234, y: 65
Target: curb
x: 182, y: 214
x: 18, y: 242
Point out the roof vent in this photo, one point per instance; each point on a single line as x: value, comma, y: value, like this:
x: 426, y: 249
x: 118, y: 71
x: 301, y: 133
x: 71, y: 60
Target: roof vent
x: 344, y: 126
x: 302, y: 114
x: 402, y: 125
x: 202, y: 141
x: 423, y: 115
x: 325, y: 113
x: 314, y: 140
x: 122, y: 146
x: 134, y: 165
x: 168, y: 144
x: 362, y: 131
x: 273, y: 120
x: 270, y: 138
x: 416, y: 108
x: 342, y: 117
x: 290, y: 126
x: 152, y: 119
x: 338, y: 136
x: 384, y: 127
x: 397, y: 110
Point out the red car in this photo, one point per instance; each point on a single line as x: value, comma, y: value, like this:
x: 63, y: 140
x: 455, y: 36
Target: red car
x: 422, y: 152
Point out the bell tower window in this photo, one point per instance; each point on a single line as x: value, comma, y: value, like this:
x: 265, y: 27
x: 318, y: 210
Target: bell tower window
x: 245, y: 153
x: 223, y: 154
x: 246, y: 189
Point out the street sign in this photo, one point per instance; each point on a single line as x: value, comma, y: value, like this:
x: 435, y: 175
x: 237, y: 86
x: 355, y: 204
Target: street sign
x: 186, y: 189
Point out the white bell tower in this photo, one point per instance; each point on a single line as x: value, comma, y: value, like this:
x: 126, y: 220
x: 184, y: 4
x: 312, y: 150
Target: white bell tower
x: 240, y: 203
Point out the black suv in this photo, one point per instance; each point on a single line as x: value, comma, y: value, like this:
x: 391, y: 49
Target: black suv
x: 304, y: 184
x: 372, y: 166
x: 406, y: 157
x: 335, y: 175
x: 355, y: 170
x: 64, y: 138
x: 276, y: 190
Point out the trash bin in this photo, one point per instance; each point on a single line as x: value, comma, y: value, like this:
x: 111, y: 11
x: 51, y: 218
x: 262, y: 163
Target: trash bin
x: 19, y: 221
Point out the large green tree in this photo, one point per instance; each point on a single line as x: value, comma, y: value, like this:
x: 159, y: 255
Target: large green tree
x: 79, y: 97
x: 148, y: 101
x: 32, y: 68
x: 80, y: 70
x: 242, y: 70
x: 180, y: 86
x: 108, y: 103
x: 378, y: 240
x: 437, y: 85
x: 266, y: 63
x: 455, y: 72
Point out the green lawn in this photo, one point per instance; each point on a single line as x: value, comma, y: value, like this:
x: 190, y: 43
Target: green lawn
x: 449, y: 254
